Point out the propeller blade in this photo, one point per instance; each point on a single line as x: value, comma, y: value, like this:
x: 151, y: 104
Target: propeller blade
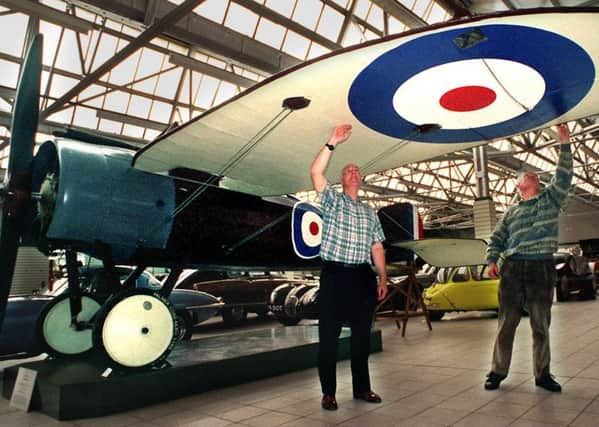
x: 16, y: 191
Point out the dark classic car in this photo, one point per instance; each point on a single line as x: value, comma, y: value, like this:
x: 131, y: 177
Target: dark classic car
x: 241, y: 292
x: 19, y: 334
x: 576, y: 278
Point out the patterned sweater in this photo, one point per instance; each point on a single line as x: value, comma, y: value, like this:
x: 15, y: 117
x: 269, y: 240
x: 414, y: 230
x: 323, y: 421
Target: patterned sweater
x: 528, y: 230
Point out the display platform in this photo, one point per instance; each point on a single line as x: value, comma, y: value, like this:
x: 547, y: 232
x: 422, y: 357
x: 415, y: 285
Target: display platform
x: 74, y: 388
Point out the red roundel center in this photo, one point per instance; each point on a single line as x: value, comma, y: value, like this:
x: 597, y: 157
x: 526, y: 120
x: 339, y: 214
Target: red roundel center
x: 313, y: 228
x: 467, y: 98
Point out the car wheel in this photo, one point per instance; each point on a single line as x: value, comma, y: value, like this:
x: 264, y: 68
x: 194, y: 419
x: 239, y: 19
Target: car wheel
x: 184, y: 324
x: 54, y: 328
x: 563, y: 293
x: 235, y: 315
x: 435, y: 315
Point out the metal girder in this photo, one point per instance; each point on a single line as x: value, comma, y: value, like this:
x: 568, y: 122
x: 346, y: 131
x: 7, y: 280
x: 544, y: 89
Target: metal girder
x: 47, y: 127
x: 49, y: 14
x: 288, y: 23
x: 135, y: 121
x: 211, y: 70
x: 206, y: 35
x: 401, y: 12
x: 169, y: 19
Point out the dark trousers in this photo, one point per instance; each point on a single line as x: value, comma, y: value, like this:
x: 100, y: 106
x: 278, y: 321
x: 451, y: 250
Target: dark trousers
x: 345, y: 295
x: 530, y: 281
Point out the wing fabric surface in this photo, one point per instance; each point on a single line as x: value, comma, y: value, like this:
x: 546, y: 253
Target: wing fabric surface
x: 387, y: 88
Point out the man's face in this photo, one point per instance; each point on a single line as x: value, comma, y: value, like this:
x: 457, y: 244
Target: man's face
x: 528, y: 183
x: 350, y: 176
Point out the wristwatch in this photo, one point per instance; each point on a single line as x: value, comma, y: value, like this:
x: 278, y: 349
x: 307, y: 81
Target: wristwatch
x: 331, y: 147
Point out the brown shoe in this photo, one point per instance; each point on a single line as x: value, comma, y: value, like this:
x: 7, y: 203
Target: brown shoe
x: 328, y: 402
x: 368, y: 396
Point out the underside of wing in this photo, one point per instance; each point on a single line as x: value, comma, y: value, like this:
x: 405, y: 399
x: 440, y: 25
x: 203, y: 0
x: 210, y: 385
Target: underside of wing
x: 409, y: 98
x: 448, y: 252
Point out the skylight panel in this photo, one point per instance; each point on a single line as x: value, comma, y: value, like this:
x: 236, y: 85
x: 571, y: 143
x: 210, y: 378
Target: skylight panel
x: 353, y: 36
x: 124, y: 72
x: 438, y: 14
x: 13, y: 28
x: 420, y: 7
x: 146, y: 85
x: 330, y: 23
x: 270, y: 33
x: 296, y: 45
x: 168, y: 82
x: 316, y: 50
x: 342, y: 3
x: 68, y: 54
x: 160, y: 112
x: 241, y: 19
x: 110, y: 126
x: 9, y: 73
x: 133, y: 131
x: 106, y: 50
x: 307, y: 13
x: 151, y: 134
x: 375, y: 17
x: 51, y: 34
x: 117, y: 101
x: 213, y: 9
x: 362, y: 8
x: 60, y: 85
x: 206, y: 92
x: 62, y: 116
x: 225, y: 91
x: 396, y: 26
x: 150, y: 63
x: 284, y: 7
x: 139, y: 106
x: 85, y: 117
x: 88, y: 96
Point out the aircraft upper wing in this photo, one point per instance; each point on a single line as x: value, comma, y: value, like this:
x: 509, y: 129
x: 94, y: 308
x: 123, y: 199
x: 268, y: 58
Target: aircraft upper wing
x: 474, y: 80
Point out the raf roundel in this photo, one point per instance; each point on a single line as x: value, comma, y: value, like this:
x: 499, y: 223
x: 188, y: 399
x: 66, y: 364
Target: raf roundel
x: 306, y: 230
x: 482, y: 91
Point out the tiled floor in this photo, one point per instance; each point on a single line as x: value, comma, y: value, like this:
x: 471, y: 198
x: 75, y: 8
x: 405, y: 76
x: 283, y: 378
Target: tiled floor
x: 426, y: 379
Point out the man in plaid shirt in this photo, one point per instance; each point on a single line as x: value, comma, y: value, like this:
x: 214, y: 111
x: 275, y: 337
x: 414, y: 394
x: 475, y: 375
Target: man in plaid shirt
x: 351, y: 235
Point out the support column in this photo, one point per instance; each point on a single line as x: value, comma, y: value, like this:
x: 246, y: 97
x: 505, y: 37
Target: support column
x: 485, y: 217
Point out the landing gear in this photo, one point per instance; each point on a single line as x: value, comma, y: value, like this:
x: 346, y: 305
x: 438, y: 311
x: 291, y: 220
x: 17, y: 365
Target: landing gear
x: 59, y: 335
x: 136, y: 328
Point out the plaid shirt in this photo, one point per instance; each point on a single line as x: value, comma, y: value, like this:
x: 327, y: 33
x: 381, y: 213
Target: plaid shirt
x: 350, y: 228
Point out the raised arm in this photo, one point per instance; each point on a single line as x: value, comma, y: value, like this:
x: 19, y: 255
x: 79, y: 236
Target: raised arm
x: 320, y: 163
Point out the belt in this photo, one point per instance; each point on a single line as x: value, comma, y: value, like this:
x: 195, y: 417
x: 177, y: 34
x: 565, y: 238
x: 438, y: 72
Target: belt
x: 347, y: 265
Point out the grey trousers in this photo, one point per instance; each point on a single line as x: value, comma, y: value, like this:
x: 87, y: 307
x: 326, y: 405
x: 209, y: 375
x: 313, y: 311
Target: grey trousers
x: 531, y: 282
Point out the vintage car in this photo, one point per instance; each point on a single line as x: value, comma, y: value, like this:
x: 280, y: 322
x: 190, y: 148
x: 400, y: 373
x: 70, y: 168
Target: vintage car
x: 19, y: 334
x: 576, y: 277
x: 241, y: 292
x: 461, y: 289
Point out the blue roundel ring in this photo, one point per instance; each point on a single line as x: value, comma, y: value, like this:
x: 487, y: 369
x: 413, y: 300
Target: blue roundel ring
x: 560, y: 62
x: 299, y: 244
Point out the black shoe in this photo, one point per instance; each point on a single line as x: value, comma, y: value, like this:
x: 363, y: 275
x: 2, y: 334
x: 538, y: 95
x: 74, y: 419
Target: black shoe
x: 548, y: 383
x: 368, y: 396
x: 493, y: 380
x: 328, y: 402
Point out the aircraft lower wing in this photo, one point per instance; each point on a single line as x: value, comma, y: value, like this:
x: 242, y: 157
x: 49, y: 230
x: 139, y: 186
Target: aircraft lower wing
x: 442, y: 252
x: 469, y: 81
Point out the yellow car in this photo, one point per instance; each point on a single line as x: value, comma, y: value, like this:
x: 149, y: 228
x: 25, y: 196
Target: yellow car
x: 461, y: 289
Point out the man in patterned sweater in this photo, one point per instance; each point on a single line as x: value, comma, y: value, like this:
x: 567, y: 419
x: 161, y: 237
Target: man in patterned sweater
x: 351, y: 234
x: 527, y: 237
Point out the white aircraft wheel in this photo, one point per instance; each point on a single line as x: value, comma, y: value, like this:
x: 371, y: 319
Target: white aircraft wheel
x: 136, y: 328
x: 54, y: 327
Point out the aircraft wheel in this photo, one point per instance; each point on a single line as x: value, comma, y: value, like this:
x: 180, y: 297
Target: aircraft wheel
x: 136, y: 328
x: 54, y: 329
x: 563, y: 291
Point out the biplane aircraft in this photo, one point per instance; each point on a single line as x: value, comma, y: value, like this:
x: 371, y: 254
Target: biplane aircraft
x: 213, y: 192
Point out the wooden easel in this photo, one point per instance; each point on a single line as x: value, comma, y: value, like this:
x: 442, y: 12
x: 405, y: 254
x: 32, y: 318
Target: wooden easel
x: 414, y: 305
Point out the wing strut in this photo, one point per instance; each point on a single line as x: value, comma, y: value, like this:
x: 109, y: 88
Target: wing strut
x: 289, y: 105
